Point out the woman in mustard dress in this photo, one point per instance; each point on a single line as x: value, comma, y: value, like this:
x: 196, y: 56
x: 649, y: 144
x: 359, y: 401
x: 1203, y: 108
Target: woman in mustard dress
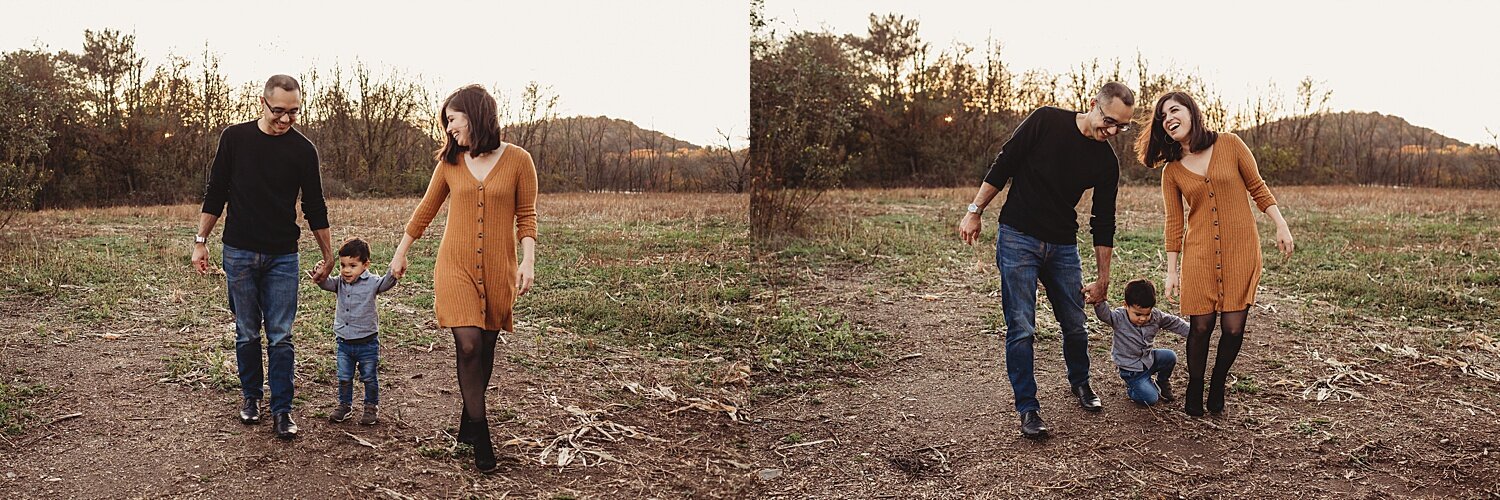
x: 1221, y: 261
x: 492, y: 190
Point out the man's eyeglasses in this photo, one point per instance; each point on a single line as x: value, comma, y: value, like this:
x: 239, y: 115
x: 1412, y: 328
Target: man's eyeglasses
x: 278, y: 112
x: 1120, y: 127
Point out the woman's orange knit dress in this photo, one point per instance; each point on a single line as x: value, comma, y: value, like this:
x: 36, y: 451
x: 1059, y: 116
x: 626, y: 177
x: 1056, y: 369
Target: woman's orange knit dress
x: 474, y: 281
x: 1221, y: 256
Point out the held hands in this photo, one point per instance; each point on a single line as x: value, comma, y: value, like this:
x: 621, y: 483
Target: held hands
x: 525, y: 276
x: 397, y: 267
x: 317, y: 270
x: 1095, y: 292
x: 968, y: 228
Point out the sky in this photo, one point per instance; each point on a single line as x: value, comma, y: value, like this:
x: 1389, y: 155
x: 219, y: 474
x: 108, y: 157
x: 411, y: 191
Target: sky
x: 677, y: 66
x: 1433, y: 62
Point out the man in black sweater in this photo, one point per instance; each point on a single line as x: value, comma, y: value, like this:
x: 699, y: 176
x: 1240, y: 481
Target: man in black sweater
x: 1049, y: 161
x: 258, y: 170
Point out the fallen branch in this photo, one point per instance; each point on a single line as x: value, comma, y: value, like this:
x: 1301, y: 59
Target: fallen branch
x: 909, y: 356
x: 361, y: 440
x: 665, y: 393
x: 799, y: 445
x: 579, y: 443
x: 392, y: 493
x: 69, y: 416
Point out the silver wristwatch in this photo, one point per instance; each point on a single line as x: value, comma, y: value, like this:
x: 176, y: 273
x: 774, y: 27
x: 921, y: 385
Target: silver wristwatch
x: 974, y: 209
x: 199, y: 239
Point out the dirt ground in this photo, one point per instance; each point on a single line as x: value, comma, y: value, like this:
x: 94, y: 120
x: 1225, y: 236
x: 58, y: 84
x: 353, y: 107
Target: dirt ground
x: 939, y: 421
x: 141, y: 438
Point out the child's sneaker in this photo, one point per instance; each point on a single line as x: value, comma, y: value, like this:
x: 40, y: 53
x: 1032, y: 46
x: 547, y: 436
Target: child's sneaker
x: 341, y: 413
x: 369, y: 418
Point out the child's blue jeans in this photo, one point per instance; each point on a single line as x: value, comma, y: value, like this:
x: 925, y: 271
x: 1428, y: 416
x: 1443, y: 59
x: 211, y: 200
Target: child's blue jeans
x: 1138, y: 384
x: 366, y: 359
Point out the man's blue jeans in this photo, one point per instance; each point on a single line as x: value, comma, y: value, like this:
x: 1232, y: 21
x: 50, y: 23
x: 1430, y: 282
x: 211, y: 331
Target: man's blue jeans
x: 364, y: 358
x: 1138, y: 384
x: 263, y: 292
x: 1023, y: 260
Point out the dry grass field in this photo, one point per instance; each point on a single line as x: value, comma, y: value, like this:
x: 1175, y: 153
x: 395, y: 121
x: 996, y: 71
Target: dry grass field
x: 858, y: 359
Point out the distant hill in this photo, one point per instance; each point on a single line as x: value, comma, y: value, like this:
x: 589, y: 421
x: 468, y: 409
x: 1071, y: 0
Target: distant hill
x: 1366, y: 128
x: 612, y: 134
x: 1367, y: 148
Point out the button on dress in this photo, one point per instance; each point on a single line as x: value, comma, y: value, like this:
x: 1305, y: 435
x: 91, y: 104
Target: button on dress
x: 475, y: 275
x: 1221, y: 259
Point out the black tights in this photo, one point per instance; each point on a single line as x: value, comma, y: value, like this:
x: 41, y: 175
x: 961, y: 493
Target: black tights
x: 1232, y: 328
x: 475, y: 350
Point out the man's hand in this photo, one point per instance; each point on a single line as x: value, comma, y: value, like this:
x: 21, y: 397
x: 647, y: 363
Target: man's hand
x: 200, y: 258
x: 968, y: 227
x: 1095, y: 292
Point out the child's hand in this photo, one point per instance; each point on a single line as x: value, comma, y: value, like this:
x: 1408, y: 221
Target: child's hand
x: 312, y: 274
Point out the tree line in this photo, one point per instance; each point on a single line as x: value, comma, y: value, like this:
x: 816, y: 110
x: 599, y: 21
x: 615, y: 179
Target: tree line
x: 104, y: 126
x: 885, y: 108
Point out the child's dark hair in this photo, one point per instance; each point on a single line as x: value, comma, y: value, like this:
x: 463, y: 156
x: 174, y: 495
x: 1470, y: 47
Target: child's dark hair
x: 1140, y: 293
x: 357, y: 248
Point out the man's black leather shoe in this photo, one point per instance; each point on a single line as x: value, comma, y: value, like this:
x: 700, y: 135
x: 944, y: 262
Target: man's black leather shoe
x: 1086, y: 397
x: 284, y: 426
x: 1032, y: 425
x: 250, y: 411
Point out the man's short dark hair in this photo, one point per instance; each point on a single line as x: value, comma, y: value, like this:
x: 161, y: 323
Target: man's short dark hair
x: 357, y: 248
x: 1116, y: 90
x: 1140, y: 293
x: 282, y: 82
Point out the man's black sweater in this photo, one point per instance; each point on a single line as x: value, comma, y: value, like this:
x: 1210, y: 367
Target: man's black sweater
x: 1049, y: 163
x: 259, y: 176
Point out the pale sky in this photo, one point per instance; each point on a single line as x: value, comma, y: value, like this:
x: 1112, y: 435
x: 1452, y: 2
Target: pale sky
x: 677, y: 66
x: 1430, y: 62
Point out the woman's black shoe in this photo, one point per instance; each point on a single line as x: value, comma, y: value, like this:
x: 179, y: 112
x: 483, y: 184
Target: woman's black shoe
x: 484, y: 451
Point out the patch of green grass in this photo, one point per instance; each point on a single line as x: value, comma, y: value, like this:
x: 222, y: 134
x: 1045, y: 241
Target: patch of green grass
x: 792, y: 438
x: 799, y: 340
x: 1247, y: 385
x: 680, y: 287
x: 776, y: 391
x: 203, y: 368
x: 15, y: 399
x: 909, y: 247
x: 1313, y: 426
x: 1427, y: 267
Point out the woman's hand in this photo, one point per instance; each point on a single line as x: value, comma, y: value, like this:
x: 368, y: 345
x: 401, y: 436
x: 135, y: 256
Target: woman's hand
x: 525, y: 276
x: 1284, y: 240
x: 1171, y: 286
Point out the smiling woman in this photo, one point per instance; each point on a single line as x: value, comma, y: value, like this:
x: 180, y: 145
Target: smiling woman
x: 1220, y: 249
x: 491, y: 189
